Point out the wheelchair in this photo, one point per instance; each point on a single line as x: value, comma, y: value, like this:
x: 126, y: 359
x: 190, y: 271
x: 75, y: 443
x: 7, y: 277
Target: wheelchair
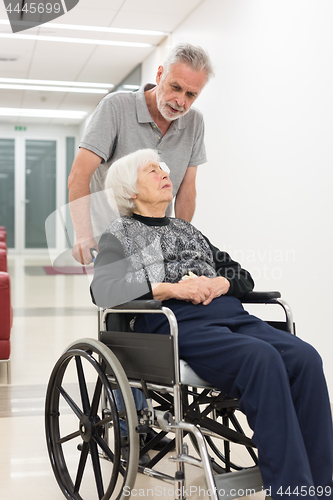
x: 83, y: 420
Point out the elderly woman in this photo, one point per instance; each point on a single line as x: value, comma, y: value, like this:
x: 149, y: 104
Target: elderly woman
x: 277, y: 377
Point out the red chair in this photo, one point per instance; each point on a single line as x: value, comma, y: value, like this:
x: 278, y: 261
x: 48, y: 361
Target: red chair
x: 3, y: 234
x: 6, y: 313
x: 3, y: 260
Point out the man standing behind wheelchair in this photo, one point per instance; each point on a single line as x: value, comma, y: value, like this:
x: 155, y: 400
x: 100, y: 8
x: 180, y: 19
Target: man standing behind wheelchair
x: 277, y: 378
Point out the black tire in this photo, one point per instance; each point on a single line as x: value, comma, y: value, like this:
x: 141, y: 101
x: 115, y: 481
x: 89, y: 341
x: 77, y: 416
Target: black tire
x: 82, y: 424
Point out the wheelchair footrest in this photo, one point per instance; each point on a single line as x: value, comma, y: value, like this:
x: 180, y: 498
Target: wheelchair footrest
x: 239, y: 484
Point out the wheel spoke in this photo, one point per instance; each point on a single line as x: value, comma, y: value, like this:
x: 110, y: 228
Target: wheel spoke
x: 105, y: 421
x: 117, y: 466
x: 83, y: 385
x: 102, y: 444
x: 82, y: 464
x: 64, y: 439
x: 70, y: 402
x: 97, y: 393
x: 97, y: 469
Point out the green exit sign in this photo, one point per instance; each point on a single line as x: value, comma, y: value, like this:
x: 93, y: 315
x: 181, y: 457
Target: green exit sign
x: 18, y: 127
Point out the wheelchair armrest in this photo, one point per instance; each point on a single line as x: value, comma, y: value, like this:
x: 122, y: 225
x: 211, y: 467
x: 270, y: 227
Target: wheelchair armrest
x: 140, y: 304
x: 260, y: 297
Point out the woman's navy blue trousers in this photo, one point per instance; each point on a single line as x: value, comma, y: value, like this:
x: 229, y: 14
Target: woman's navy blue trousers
x: 278, y: 380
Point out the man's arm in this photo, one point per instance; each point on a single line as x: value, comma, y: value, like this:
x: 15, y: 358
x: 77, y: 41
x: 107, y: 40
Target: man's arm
x: 84, y: 166
x: 185, y: 198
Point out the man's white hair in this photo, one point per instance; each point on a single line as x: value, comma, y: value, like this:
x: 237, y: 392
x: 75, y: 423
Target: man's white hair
x: 193, y: 56
x: 122, y: 177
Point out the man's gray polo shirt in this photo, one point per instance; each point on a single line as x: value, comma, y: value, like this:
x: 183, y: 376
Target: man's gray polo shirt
x: 121, y: 124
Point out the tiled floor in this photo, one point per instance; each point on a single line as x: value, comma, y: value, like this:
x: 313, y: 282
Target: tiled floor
x: 49, y: 313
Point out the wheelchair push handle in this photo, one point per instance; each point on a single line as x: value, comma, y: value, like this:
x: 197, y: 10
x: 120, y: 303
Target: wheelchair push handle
x: 93, y: 253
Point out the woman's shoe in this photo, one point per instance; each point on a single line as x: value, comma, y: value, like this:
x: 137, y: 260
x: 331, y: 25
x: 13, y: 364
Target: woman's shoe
x: 143, y: 461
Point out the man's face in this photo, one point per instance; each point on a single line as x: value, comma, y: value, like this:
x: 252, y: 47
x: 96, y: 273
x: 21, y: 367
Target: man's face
x: 177, y: 90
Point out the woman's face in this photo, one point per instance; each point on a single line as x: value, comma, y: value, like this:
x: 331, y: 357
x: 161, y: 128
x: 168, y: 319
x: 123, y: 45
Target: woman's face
x: 153, y: 185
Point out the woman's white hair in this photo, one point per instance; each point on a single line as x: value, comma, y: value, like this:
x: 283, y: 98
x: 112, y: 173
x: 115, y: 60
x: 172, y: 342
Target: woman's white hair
x: 122, y: 177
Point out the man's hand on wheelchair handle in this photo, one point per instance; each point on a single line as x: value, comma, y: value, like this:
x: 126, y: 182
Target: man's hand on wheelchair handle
x: 81, y: 251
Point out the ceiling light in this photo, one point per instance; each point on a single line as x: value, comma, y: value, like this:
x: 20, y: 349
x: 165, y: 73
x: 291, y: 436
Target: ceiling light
x: 75, y: 40
x: 42, y: 113
x: 131, y: 87
x: 8, y: 58
x: 100, y: 29
x: 56, y: 82
x: 82, y: 90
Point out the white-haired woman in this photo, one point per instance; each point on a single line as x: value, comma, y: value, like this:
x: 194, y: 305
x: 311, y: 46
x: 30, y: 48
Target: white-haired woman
x: 277, y: 377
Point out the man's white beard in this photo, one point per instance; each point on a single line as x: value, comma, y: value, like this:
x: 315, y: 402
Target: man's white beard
x: 162, y: 107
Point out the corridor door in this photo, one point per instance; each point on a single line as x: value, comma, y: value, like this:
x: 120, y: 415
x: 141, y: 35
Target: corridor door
x: 7, y: 188
x: 40, y: 191
x: 33, y: 185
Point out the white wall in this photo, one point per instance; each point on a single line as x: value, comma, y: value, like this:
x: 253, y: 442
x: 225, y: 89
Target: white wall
x: 150, y: 65
x: 266, y: 193
x: 38, y: 130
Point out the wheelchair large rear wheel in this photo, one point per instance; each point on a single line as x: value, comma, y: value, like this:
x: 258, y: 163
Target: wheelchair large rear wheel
x: 82, y: 422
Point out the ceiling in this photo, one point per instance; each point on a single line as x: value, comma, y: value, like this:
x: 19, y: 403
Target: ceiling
x: 73, y: 62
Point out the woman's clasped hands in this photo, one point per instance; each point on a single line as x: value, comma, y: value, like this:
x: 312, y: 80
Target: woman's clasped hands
x: 195, y: 289
x: 202, y: 290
